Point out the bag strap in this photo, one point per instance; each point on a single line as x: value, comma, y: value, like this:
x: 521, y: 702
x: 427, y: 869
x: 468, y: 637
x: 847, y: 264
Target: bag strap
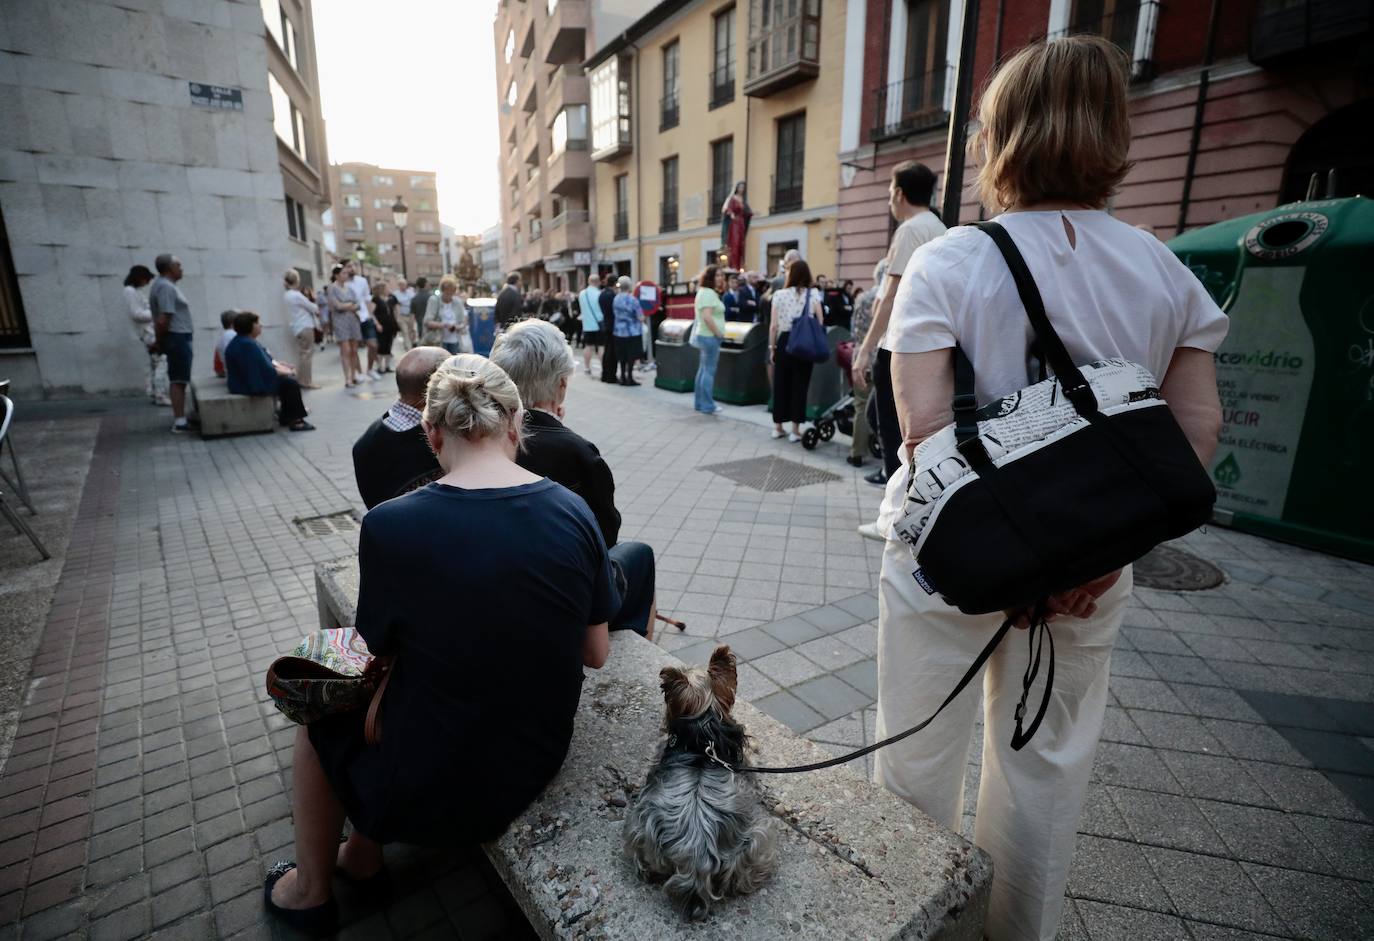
x: 1075, y: 387
x: 372, y: 725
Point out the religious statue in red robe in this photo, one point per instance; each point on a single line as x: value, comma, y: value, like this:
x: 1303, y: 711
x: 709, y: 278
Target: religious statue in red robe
x: 734, y: 226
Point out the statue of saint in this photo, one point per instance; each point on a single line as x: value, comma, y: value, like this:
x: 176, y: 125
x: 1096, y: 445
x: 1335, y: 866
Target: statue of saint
x: 734, y: 226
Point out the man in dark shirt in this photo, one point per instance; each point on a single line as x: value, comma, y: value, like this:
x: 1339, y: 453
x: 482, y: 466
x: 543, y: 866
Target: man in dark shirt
x: 392, y: 457
x: 420, y: 301
x: 509, y: 303
x: 537, y: 357
x: 609, y: 363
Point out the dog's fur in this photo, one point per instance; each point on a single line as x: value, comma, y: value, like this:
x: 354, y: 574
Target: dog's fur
x: 696, y: 824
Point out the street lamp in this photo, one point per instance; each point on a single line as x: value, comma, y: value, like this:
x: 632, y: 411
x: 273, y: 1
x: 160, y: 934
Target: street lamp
x: 399, y: 211
x: 360, y: 253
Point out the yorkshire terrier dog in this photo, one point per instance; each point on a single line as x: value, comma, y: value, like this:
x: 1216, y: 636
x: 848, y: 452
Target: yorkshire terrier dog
x: 696, y: 824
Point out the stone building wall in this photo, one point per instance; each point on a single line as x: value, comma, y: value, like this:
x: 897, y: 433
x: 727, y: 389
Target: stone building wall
x: 106, y: 162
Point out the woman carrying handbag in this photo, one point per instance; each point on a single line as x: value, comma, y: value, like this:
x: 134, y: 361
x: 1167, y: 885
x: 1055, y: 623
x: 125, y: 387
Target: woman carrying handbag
x: 791, y: 372
x: 1051, y: 150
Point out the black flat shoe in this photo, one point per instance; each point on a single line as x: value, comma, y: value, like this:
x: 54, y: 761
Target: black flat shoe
x: 877, y: 478
x: 318, y: 922
x: 855, y: 461
x: 376, y: 889
x: 301, y: 426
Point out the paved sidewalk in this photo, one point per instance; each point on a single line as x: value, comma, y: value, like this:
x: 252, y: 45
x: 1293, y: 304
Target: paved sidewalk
x: 147, y: 789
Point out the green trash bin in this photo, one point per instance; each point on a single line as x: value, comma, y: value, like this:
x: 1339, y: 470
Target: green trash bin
x: 676, y: 357
x: 742, y: 374
x: 1296, y: 371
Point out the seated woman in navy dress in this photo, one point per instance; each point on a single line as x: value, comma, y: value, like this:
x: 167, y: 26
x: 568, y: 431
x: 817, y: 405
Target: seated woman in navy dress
x: 491, y: 588
x: 251, y: 370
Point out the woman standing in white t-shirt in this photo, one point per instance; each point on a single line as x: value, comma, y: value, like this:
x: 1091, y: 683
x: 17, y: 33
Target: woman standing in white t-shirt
x: 136, y: 303
x: 1052, y: 148
x: 304, y: 319
x: 791, y: 376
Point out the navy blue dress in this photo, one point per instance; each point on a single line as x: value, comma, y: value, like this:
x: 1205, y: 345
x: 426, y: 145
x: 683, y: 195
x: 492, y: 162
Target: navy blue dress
x: 483, y: 597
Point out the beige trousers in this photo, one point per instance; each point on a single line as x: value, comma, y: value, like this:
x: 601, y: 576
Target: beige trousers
x: 1029, y: 801
x: 305, y: 351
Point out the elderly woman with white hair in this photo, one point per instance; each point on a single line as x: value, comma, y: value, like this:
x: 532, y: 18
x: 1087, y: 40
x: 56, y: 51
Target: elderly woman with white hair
x: 305, y: 321
x: 535, y: 354
x: 478, y: 711
x: 446, y: 318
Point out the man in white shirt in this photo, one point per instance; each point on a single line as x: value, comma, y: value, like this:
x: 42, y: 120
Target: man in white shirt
x: 404, y: 294
x: 362, y: 296
x: 910, y: 192
x: 594, y: 332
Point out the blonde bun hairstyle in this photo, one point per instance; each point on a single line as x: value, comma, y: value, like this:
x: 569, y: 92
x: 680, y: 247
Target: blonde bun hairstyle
x: 471, y: 397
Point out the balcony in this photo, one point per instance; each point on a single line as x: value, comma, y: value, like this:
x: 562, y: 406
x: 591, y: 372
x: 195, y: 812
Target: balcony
x: 787, y: 195
x: 565, y: 33
x: 622, y: 225
x: 529, y: 101
x: 1295, y: 30
x: 570, y: 169
x: 783, y: 52
x: 722, y: 86
x: 669, y: 112
x: 913, y: 105
x: 526, y: 45
x: 567, y: 86
x: 1132, y: 29
x: 529, y: 144
x: 667, y: 216
x: 570, y: 230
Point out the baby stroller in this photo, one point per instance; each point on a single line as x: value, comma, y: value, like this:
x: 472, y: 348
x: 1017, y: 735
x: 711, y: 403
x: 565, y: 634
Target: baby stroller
x: 840, y: 416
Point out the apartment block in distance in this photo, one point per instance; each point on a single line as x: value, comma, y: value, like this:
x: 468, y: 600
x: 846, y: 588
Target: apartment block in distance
x: 294, y: 85
x: 696, y: 96
x: 545, y: 169
x: 1287, y: 94
x: 362, y: 216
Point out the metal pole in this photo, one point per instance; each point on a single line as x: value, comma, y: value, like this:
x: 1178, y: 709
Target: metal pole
x: 404, y: 272
x: 958, y: 119
x: 1195, y: 139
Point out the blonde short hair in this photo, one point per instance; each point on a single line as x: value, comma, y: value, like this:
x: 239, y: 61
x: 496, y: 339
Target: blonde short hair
x: 471, y: 397
x: 292, y: 277
x: 448, y: 281
x: 1055, y: 125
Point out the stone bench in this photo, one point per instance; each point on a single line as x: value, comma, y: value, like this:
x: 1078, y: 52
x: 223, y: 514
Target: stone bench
x: 222, y: 413
x: 853, y: 861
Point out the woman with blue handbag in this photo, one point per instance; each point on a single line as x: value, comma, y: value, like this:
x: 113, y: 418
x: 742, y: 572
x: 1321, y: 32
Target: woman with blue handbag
x: 792, y: 340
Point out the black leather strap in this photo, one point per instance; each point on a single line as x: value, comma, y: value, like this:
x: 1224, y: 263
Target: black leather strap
x: 1075, y: 387
x: 966, y: 415
x: 967, y: 678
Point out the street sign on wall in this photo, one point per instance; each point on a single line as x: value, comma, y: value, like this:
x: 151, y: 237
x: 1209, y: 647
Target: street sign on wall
x: 220, y: 97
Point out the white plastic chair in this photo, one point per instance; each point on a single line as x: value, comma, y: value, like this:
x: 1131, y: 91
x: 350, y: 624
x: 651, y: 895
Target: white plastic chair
x: 17, y: 521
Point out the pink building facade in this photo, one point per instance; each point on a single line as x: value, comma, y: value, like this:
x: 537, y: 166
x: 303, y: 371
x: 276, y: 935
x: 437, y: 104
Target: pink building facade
x: 1288, y: 96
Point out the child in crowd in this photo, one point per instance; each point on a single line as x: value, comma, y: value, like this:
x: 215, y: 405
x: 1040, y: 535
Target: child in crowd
x: 226, y: 320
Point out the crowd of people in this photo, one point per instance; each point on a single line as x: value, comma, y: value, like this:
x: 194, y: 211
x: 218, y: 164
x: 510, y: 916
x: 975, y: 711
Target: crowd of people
x: 477, y: 490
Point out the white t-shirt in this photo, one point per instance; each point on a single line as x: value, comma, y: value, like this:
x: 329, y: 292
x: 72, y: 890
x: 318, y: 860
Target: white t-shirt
x: 1119, y: 293
x: 403, y: 299
x: 789, y: 303
x: 362, y: 295
x: 910, y: 235
x: 301, y: 310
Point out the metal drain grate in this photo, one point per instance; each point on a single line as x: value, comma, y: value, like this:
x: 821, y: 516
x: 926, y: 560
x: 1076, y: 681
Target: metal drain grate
x: 771, y: 474
x: 343, y: 523
x: 1170, y: 569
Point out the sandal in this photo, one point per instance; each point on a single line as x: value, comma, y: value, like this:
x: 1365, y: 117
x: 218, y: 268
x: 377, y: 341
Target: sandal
x: 318, y: 922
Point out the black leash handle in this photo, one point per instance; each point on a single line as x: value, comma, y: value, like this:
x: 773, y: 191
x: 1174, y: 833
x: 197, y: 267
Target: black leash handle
x: 1039, y: 629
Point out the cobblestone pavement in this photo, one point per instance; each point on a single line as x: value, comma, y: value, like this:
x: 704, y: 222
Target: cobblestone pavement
x: 147, y: 789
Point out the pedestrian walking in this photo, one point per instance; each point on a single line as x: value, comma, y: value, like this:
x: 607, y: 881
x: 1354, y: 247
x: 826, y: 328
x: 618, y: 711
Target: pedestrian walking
x: 362, y: 296
x: 629, y: 327
x: 326, y: 325
x: 909, y: 194
x: 1051, y: 149
x: 173, y: 326
x: 420, y: 302
x: 593, y: 323
x: 446, y: 319
x: 863, y: 320
x: 343, y: 313
x: 405, y: 320
x: 791, y: 375
x: 707, y: 333
x: 304, y: 323
x: 609, y: 359
x: 136, y: 303
x: 509, y: 303
x: 384, y: 312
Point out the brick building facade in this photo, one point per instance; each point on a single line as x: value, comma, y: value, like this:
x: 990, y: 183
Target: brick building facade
x: 1287, y: 96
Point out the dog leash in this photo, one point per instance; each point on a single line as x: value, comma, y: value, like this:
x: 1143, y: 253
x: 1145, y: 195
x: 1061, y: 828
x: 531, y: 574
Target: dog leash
x: 1039, y: 632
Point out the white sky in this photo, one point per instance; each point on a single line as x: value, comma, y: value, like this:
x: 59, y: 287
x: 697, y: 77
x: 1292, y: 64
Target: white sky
x: 411, y: 84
